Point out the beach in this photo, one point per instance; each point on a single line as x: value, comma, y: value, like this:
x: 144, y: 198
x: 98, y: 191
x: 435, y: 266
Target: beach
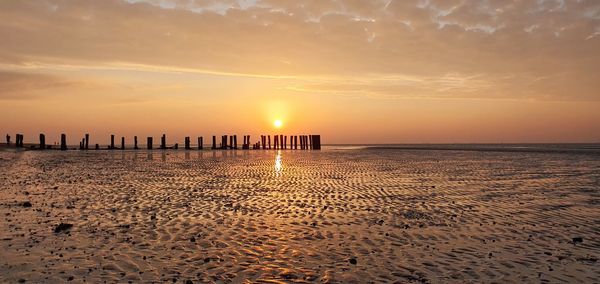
x: 355, y: 215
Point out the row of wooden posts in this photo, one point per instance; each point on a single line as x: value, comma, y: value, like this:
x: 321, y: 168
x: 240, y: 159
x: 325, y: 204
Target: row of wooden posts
x: 306, y: 142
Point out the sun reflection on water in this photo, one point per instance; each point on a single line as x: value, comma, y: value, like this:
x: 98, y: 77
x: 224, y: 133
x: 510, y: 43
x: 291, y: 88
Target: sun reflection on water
x: 278, y: 163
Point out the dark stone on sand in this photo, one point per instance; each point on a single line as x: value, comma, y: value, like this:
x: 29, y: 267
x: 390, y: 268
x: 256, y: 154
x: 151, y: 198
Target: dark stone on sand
x: 189, y: 282
x: 353, y: 261
x: 206, y: 260
x: 26, y: 204
x: 70, y: 278
x: 21, y: 280
x: 62, y: 227
x: 577, y: 240
x: 192, y: 239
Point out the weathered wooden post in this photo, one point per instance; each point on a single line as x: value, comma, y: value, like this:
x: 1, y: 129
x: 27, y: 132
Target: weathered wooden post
x: 224, y: 142
x: 87, y: 141
x: 112, y: 142
x: 187, y: 143
x: 42, y: 141
x: 275, y: 141
x: 63, y: 142
x: 122, y: 143
x: 231, y: 141
x: 149, y: 143
x: 7, y: 139
x: 317, y: 142
x: 81, y: 144
x: 214, y: 142
x: 135, y: 144
x: 97, y: 146
x: 234, y: 141
x: 176, y: 146
x: 296, y: 142
x: 200, y: 143
x: 163, y: 142
x: 285, y: 142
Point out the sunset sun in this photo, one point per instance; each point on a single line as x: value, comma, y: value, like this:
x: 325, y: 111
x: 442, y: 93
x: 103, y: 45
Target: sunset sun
x: 277, y: 123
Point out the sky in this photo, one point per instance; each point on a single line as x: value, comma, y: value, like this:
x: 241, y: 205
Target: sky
x: 353, y: 71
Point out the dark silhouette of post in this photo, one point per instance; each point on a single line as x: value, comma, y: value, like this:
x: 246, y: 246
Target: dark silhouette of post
x: 234, y: 141
x: 122, y: 143
x: 187, y: 143
x: 310, y: 145
x: 42, y: 141
x: 176, y: 146
x: 112, y: 142
x: 269, y: 138
x: 214, y: 142
x: 7, y: 139
x: 224, y: 142
x: 149, y: 143
x: 87, y: 141
x: 81, y: 143
x: 200, y: 143
x: 97, y: 147
x: 295, y: 142
x: 63, y: 142
x: 231, y: 141
x: 284, y: 142
x: 276, y: 142
x: 135, y: 144
x: 316, y: 142
x: 163, y: 142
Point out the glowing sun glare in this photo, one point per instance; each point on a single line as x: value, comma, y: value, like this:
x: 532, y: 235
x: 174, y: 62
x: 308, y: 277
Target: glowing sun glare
x: 277, y: 123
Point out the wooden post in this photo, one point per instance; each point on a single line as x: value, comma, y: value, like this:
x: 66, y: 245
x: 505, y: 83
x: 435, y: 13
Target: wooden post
x: 135, y: 144
x: 63, y: 142
x: 122, y: 143
x: 275, y: 141
x: 97, y: 147
x: 317, y: 142
x: 200, y: 143
x: 224, y: 142
x: 87, y: 141
x: 187, y: 143
x: 81, y: 144
x: 234, y: 141
x: 7, y: 139
x: 42, y: 141
x: 214, y: 142
x: 149, y: 143
x: 296, y: 142
x: 112, y: 142
x: 231, y: 141
x: 163, y: 142
x: 285, y: 142
x: 176, y: 146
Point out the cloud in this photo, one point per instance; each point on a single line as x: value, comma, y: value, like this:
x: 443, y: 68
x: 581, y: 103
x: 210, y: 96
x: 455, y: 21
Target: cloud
x: 501, y: 48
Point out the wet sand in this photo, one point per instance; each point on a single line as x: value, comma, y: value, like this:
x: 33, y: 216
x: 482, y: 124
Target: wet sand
x: 370, y: 215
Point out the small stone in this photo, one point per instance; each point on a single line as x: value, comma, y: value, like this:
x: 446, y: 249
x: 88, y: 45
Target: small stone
x: 353, y: 261
x: 192, y: 239
x: 26, y: 204
x: 62, y: 227
x: 189, y: 281
x: 206, y: 260
x: 577, y: 240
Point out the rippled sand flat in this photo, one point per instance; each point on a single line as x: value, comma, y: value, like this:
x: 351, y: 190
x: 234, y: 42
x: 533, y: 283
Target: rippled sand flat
x: 299, y: 216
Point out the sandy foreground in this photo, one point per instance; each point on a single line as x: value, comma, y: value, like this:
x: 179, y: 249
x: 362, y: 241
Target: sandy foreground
x: 299, y: 216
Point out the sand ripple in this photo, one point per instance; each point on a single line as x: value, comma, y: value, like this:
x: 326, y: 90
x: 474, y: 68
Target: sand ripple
x: 327, y: 216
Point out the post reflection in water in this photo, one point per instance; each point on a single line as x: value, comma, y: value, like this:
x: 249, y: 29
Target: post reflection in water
x: 278, y: 164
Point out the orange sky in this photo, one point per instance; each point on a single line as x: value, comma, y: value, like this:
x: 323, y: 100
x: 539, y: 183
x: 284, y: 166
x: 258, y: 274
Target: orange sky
x: 354, y: 71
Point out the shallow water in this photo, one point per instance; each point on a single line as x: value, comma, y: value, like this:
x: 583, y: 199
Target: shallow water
x: 354, y: 215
